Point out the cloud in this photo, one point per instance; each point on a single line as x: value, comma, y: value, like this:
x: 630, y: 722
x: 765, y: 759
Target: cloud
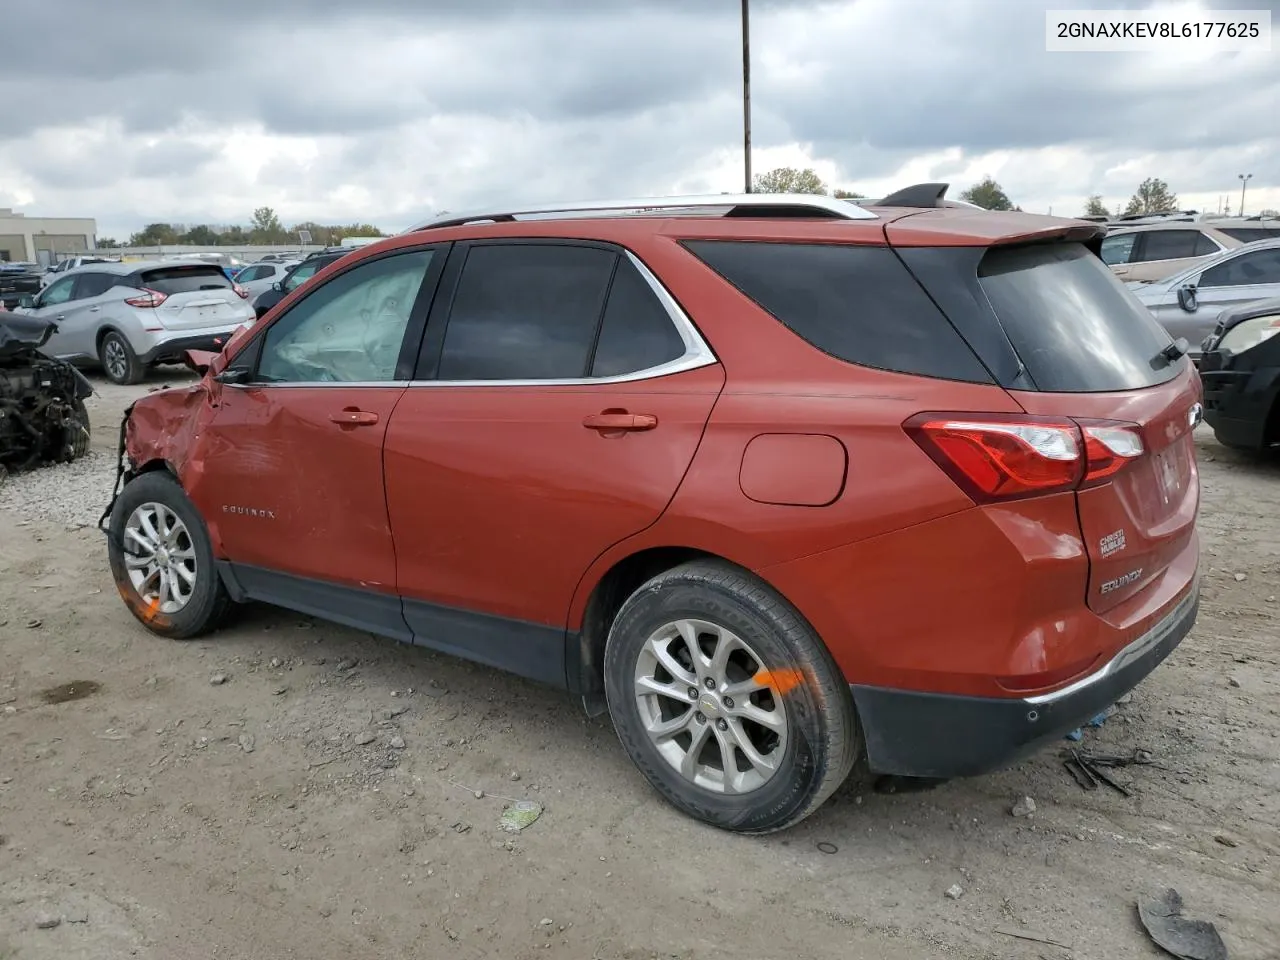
x: 390, y: 110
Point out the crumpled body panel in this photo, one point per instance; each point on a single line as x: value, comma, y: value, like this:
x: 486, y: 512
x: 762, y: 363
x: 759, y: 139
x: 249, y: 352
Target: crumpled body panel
x: 167, y: 427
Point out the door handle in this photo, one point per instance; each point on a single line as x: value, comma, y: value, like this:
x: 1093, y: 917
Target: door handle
x: 94, y: 309
x: 352, y: 417
x: 615, y: 420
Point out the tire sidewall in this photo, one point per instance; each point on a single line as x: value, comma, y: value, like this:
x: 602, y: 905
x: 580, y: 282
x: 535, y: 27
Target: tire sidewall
x: 802, y: 771
x: 160, y: 487
x: 132, y: 371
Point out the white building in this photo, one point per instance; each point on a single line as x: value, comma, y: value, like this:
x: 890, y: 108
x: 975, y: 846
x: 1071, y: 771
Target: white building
x: 45, y: 240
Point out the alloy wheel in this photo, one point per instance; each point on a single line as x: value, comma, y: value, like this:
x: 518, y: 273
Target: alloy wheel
x: 160, y: 557
x: 114, y: 359
x: 710, y: 706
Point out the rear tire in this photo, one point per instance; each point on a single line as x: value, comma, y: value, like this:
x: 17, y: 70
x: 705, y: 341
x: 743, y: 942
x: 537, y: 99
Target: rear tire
x: 119, y: 361
x: 162, y: 560
x: 775, y: 704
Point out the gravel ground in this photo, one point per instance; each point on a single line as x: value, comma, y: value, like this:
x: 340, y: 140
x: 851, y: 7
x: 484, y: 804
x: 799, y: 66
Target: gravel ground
x: 289, y: 788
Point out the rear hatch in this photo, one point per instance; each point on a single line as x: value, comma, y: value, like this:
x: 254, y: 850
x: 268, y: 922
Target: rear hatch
x: 196, y: 295
x: 1088, y: 362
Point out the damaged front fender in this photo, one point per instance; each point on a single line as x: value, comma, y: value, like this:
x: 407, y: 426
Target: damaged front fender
x: 162, y: 431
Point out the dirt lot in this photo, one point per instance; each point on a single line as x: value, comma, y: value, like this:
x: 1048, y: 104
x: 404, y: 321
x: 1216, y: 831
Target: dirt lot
x: 325, y: 800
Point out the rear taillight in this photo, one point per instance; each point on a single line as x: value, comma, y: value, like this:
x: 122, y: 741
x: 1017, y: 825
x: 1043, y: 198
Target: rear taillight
x: 149, y: 298
x: 241, y: 292
x: 1008, y: 457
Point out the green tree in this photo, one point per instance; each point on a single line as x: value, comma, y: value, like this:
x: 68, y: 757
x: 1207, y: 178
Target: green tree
x: 265, y: 227
x: 233, y: 237
x: 107, y: 243
x: 1269, y: 213
x: 360, y: 230
x: 1153, y: 196
x: 847, y: 194
x: 1094, y: 207
x: 788, y: 180
x: 988, y: 194
x: 200, y: 236
x: 154, y: 235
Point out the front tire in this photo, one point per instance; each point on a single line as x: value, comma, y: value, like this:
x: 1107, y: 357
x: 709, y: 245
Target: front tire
x: 162, y: 560
x: 727, y: 700
x: 119, y: 361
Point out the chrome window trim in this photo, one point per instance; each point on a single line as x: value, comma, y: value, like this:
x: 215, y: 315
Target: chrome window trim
x: 697, y: 353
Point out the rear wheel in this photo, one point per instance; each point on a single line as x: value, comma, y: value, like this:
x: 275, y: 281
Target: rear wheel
x: 727, y: 701
x: 162, y: 560
x: 119, y: 362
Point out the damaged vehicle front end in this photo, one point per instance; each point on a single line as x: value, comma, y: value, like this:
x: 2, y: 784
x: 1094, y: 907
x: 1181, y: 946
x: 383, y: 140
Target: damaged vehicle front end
x: 42, y: 413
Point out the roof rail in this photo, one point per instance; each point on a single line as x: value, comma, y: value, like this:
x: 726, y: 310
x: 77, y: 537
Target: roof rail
x: 730, y: 205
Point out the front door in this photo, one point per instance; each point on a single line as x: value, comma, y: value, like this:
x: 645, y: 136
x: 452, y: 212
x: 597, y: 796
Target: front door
x: 559, y: 401
x: 292, y: 480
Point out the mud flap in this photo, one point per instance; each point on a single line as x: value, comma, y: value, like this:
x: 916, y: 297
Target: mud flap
x: 117, y: 486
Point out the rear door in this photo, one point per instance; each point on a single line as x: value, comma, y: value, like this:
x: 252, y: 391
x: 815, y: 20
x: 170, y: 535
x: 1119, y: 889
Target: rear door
x: 82, y: 315
x: 560, y: 397
x: 1094, y: 353
x: 1248, y: 276
x: 195, y: 296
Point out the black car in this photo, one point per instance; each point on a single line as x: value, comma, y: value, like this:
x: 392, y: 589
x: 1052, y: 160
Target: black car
x: 1240, y: 370
x: 18, y: 280
x: 295, y: 278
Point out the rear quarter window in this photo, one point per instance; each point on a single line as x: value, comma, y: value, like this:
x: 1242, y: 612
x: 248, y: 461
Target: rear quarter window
x: 1072, y: 322
x: 859, y: 304
x: 171, y: 280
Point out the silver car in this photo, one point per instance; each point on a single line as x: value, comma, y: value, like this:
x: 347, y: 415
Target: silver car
x: 258, y: 277
x: 1187, y: 304
x: 127, y: 316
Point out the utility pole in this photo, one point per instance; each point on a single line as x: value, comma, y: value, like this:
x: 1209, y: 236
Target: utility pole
x: 746, y: 96
x: 1244, y: 180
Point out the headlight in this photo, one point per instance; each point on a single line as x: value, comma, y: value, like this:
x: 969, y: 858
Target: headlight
x: 1247, y: 335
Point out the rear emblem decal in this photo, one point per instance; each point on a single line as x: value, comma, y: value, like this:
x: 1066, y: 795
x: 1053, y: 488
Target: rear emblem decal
x: 1124, y: 581
x: 1111, y: 543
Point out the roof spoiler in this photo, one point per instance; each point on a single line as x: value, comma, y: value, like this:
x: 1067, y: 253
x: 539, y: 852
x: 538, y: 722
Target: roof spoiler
x: 927, y: 195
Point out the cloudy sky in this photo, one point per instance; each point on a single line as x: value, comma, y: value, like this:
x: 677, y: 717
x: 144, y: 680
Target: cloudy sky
x: 388, y: 111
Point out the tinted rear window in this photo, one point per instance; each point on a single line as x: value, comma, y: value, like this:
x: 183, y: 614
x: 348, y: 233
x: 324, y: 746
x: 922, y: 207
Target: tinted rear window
x: 856, y: 303
x: 1075, y: 326
x: 1249, y: 234
x: 173, y: 280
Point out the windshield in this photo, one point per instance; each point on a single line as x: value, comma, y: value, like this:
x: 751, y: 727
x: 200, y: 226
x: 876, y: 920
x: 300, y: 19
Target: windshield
x: 1075, y: 326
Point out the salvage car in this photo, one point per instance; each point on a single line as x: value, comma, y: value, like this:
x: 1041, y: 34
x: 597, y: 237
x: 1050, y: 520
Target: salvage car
x: 43, y: 418
x: 1240, y: 367
x: 1190, y: 303
x: 781, y: 483
x: 127, y: 317
x: 295, y: 276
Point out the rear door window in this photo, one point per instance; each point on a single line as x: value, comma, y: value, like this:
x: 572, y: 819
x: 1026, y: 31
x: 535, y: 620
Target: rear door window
x: 1072, y: 322
x: 1118, y: 248
x: 636, y: 332
x: 171, y: 280
x: 858, y: 304
x: 526, y: 311
x: 1169, y: 244
x: 1260, y: 266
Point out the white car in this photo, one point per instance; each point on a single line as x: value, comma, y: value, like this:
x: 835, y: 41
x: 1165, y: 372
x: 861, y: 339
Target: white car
x: 1187, y: 304
x: 258, y: 277
x: 127, y: 316
x: 53, y: 272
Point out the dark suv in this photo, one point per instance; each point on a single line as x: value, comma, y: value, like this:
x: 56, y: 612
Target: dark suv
x: 304, y: 271
x: 780, y: 482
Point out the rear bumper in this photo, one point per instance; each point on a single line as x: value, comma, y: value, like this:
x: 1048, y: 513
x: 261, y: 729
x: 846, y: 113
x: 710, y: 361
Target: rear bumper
x: 942, y: 735
x: 172, y: 349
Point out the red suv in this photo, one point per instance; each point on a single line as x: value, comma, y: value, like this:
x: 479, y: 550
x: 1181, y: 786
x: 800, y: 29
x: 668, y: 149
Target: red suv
x: 780, y: 482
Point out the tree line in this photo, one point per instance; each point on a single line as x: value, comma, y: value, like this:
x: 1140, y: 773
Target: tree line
x: 264, y: 229
x: 1152, y: 196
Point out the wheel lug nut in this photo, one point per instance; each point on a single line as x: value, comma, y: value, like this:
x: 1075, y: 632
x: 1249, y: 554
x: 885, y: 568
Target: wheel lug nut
x: 693, y: 693
x: 709, y: 683
x: 728, y: 702
x: 700, y: 718
x: 722, y: 724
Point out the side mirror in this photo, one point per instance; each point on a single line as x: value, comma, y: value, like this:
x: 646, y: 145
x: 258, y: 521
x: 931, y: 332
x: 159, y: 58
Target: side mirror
x: 233, y: 376
x: 27, y: 300
x: 278, y: 286
x: 1187, y: 298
